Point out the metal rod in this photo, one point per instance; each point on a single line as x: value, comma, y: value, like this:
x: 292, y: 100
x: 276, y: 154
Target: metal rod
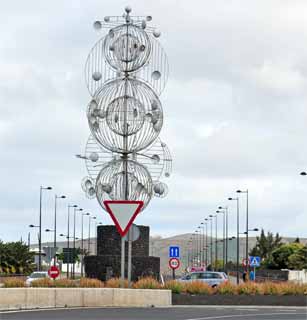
x: 238, y: 243
x: 226, y: 258
x: 74, y: 245
x: 82, y: 246
x: 247, y: 265
x: 68, y: 242
x: 40, y: 231
x: 216, y: 256
x: 54, y: 242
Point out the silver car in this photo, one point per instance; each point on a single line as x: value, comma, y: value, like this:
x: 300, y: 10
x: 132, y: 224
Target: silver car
x: 37, y: 275
x: 212, y: 278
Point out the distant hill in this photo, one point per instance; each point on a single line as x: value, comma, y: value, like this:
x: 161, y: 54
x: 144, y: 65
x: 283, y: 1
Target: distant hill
x: 159, y: 247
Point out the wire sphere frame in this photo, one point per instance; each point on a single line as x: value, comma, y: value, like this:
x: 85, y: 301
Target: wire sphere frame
x: 96, y: 63
x: 111, y: 183
x: 99, y: 117
x: 145, y: 158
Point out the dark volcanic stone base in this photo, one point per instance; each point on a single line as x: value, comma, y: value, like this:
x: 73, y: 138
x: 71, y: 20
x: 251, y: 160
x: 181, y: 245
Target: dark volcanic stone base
x: 104, y: 267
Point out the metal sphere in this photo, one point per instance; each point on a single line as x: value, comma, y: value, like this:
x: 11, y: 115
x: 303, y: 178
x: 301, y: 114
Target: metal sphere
x: 160, y: 189
x: 143, y: 116
x: 87, y: 182
x: 91, y: 193
x: 156, y: 75
x: 97, y: 25
x: 97, y: 76
x: 157, y: 33
x: 131, y: 48
x: 113, y: 183
x: 128, y: 9
x: 94, y: 156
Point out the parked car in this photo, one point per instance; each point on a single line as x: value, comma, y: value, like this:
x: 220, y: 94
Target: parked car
x: 213, y: 279
x: 37, y: 275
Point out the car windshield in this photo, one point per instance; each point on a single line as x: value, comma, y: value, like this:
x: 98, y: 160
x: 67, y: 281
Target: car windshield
x: 36, y: 275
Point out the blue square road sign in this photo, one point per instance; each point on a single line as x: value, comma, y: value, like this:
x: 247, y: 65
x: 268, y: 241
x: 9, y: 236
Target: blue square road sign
x: 174, y: 252
x: 254, y: 261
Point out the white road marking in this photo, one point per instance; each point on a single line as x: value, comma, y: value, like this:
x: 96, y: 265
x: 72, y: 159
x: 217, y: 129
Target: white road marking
x: 244, y: 316
x: 247, y: 309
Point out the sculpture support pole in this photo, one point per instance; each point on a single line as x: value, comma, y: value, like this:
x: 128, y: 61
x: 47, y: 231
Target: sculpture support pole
x: 129, y: 255
x: 122, y: 265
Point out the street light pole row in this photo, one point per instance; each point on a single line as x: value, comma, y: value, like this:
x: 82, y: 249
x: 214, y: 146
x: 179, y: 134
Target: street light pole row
x: 54, y: 230
x: 226, y: 239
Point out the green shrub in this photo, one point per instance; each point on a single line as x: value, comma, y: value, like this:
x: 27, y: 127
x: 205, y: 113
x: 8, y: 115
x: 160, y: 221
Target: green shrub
x: 271, y: 288
x: 175, y: 286
x: 227, y: 288
x: 248, y: 288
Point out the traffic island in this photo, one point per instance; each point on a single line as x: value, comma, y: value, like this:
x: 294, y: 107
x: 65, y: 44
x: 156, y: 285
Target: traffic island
x: 242, y: 300
x: 37, y: 298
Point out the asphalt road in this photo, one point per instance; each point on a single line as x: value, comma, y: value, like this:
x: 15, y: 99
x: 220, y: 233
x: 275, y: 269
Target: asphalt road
x: 180, y: 313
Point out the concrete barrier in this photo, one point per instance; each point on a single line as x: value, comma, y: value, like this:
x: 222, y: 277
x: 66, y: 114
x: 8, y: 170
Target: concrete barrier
x: 32, y: 298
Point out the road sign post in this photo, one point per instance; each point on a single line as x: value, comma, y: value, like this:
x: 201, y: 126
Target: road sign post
x: 254, y: 261
x: 123, y: 213
x: 174, y: 263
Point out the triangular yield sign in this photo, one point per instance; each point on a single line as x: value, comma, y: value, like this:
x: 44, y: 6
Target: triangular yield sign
x: 123, y: 213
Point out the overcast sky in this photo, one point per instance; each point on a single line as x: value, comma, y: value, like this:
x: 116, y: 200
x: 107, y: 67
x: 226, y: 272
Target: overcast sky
x: 235, y: 110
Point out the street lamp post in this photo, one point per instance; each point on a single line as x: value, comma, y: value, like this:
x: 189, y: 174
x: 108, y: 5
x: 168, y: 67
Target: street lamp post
x: 33, y: 226
x: 74, y: 242
x: 247, y: 226
x: 238, y: 233
x: 40, y: 226
x: 82, y: 243
x: 223, y: 241
x: 216, y: 255
x: 226, y: 236
x: 68, y: 235
x: 89, y: 233
x: 203, y: 242
x: 211, y: 245
x: 206, y: 223
x: 55, y: 217
x: 96, y: 235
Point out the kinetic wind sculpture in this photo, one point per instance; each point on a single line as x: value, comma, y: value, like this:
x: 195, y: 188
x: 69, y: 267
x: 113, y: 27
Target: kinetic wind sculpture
x: 125, y: 73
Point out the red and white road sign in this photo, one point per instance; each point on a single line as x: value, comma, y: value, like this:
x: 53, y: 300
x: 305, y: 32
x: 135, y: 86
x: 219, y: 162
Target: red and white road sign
x: 123, y: 213
x: 53, y: 272
x: 174, y: 263
x: 197, y: 269
x: 245, y: 262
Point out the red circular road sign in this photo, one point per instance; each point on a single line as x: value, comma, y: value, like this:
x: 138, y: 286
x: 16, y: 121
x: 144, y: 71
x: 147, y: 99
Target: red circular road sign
x: 245, y: 262
x: 174, y: 263
x: 54, y: 272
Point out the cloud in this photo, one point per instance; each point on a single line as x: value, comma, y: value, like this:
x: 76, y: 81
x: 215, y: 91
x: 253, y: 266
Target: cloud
x: 234, y: 106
